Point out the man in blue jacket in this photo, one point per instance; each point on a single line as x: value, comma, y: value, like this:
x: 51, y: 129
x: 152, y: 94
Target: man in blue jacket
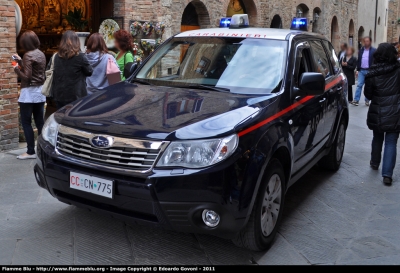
x: 365, y: 61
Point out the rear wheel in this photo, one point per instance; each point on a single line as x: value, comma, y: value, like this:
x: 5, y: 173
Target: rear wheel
x: 333, y: 160
x: 264, y: 221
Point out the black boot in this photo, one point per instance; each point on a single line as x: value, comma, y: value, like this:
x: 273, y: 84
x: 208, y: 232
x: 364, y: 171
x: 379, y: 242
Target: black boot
x: 387, y: 181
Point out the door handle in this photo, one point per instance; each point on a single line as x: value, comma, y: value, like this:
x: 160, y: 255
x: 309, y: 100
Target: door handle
x: 340, y: 88
x: 323, y: 100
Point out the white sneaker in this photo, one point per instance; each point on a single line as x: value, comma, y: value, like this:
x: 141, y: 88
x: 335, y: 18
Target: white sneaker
x: 26, y: 156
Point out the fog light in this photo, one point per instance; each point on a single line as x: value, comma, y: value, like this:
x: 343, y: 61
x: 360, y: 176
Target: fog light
x: 210, y: 218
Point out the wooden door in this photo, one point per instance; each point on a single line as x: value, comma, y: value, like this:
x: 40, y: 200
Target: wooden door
x: 102, y: 9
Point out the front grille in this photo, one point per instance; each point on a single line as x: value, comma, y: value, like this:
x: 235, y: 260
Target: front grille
x: 139, y: 155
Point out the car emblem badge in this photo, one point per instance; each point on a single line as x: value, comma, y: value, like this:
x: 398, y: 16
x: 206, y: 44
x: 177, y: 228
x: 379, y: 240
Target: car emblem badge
x: 102, y: 142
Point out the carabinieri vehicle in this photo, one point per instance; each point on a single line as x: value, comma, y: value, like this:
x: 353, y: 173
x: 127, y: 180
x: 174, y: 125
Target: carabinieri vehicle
x: 206, y: 136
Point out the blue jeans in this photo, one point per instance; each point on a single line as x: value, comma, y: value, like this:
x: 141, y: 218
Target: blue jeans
x: 361, y: 81
x: 390, y: 153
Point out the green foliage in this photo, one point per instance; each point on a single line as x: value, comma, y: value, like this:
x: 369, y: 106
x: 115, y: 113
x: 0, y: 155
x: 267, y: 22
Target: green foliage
x: 74, y: 18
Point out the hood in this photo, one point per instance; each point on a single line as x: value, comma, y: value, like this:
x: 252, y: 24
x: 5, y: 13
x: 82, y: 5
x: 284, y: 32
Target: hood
x: 162, y: 113
x: 95, y: 58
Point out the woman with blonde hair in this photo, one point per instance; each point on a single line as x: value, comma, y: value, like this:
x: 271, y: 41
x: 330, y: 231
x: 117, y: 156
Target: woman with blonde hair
x: 71, y: 67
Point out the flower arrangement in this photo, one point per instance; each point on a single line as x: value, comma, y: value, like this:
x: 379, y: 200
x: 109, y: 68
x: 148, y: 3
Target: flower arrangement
x: 137, y: 59
x: 147, y: 46
x: 135, y: 48
x: 159, y: 28
x: 135, y: 28
x: 147, y: 28
x: 159, y: 41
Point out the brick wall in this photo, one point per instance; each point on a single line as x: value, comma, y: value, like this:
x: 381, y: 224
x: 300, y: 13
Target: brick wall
x: 8, y: 80
x: 393, y: 30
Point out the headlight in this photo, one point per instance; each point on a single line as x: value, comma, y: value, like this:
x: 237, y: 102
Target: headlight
x: 198, y: 153
x: 49, y: 131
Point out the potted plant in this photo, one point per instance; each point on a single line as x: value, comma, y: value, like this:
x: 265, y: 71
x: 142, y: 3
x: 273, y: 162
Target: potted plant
x: 76, y: 20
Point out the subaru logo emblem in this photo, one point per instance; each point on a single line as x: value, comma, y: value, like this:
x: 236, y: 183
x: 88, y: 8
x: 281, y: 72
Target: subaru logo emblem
x: 102, y: 142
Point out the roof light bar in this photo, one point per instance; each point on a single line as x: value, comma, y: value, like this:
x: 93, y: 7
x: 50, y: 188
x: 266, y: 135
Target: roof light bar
x: 299, y: 24
x: 239, y: 21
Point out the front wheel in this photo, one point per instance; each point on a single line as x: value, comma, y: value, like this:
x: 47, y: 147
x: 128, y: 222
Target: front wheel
x: 333, y: 160
x: 264, y: 220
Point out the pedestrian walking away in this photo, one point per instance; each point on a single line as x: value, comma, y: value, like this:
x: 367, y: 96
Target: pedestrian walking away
x: 382, y: 86
x: 349, y: 65
x: 124, y: 44
x: 31, y: 101
x: 97, y: 54
x: 71, y: 67
x: 343, y: 50
x: 365, y: 61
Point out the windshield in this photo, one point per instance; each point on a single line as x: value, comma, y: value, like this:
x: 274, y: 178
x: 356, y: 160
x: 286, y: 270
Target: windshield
x: 238, y: 65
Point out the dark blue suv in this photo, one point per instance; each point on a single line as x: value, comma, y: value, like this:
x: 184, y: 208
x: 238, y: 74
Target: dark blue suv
x: 206, y: 136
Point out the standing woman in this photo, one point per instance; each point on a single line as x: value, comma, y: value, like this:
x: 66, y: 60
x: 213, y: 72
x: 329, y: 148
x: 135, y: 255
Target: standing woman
x: 71, y: 67
x: 349, y: 65
x: 383, y: 88
x: 31, y: 101
x: 123, y: 42
x: 97, y: 54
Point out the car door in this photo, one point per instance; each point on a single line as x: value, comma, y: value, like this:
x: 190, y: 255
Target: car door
x: 323, y: 62
x: 307, y: 125
x: 334, y: 89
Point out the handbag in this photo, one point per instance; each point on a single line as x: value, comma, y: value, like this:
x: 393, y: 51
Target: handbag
x: 46, y: 88
x: 113, y: 73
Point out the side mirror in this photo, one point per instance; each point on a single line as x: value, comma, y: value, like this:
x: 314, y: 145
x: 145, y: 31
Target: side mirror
x: 312, y: 84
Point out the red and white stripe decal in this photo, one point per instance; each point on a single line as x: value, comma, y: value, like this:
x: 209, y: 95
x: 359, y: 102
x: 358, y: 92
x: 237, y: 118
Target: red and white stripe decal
x: 286, y: 110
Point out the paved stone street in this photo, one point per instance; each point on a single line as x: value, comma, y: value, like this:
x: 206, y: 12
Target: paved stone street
x: 347, y: 217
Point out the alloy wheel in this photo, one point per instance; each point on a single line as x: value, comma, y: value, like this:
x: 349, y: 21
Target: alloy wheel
x: 271, y: 205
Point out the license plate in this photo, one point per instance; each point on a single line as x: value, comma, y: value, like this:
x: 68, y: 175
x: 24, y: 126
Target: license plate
x: 91, y: 184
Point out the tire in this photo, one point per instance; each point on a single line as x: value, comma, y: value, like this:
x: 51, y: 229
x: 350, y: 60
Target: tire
x: 254, y: 236
x: 333, y: 160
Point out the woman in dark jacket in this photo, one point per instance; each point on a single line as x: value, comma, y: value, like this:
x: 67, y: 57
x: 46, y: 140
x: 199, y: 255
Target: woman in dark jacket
x: 382, y: 86
x: 71, y: 67
x: 349, y: 65
x: 31, y: 101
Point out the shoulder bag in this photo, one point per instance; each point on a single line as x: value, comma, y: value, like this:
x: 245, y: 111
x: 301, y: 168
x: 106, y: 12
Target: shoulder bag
x: 46, y: 88
x: 113, y: 73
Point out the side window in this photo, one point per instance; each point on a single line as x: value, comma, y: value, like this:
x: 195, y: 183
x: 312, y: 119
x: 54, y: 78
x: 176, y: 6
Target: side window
x: 303, y: 64
x: 321, y: 61
x: 333, y: 57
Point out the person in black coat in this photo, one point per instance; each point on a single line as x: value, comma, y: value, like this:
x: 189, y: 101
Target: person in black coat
x: 71, y: 67
x: 382, y: 86
x: 349, y: 65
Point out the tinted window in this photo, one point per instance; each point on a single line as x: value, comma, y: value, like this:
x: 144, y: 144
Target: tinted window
x: 320, y: 59
x: 332, y: 55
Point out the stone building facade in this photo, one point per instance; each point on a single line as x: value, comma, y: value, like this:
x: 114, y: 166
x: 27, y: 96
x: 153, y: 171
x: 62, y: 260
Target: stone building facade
x: 373, y: 20
x: 8, y: 81
x: 336, y: 19
x: 393, y: 30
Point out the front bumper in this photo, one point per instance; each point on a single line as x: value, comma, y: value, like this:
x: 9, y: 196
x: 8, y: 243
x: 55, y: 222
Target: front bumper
x: 171, y: 199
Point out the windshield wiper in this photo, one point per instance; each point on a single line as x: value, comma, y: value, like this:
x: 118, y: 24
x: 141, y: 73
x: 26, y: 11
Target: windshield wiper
x: 140, y: 81
x: 206, y: 87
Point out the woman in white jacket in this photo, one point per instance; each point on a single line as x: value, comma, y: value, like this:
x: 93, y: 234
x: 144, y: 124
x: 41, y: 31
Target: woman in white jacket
x: 97, y: 54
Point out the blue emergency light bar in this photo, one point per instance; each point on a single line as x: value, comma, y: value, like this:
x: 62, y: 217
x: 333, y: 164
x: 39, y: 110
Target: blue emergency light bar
x: 225, y: 22
x: 299, y: 24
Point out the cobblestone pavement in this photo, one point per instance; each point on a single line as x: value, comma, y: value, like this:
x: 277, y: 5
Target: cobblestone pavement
x: 347, y: 217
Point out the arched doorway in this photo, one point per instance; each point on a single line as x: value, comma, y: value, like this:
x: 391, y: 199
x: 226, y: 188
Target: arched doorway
x: 351, y: 33
x: 361, y: 34
x: 316, y: 20
x: 276, y: 22
x: 195, y: 16
x: 302, y: 11
x: 243, y: 6
x: 335, y: 35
